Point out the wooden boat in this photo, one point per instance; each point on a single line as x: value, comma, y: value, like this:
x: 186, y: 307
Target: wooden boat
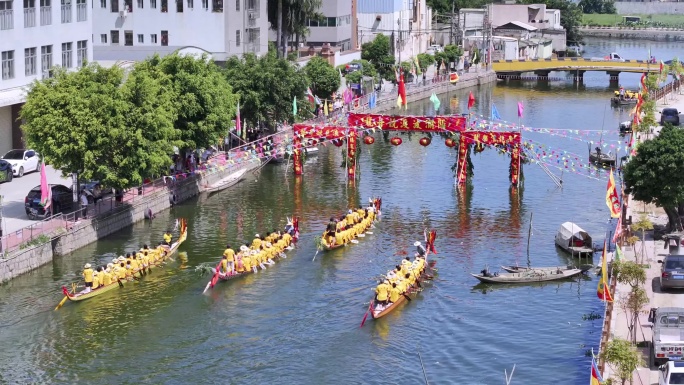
x: 625, y: 127
x: 322, y: 245
x: 602, y: 159
x: 292, y: 228
x: 617, y: 101
x: 528, y: 276
x: 229, y: 181
x: 574, y: 240
x: 521, y: 269
x: 81, y: 296
x: 378, y: 311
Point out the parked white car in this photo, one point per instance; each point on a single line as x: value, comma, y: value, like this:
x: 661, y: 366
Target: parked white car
x: 22, y: 161
x: 671, y: 373
x: 433, y: 49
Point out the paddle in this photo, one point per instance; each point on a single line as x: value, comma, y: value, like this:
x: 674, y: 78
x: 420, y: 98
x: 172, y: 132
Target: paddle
x: 119, y: 281
x: 61, y: 302
x: 370, y: 306
x: 369, y: 232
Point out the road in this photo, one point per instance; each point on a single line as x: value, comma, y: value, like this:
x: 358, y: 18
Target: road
x: 13, y: 214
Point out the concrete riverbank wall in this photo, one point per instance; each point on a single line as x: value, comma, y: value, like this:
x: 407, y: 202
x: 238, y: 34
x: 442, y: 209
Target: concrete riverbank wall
x: 655, y: 34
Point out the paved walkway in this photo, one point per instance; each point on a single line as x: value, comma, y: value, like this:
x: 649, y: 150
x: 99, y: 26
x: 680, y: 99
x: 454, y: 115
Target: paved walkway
x: 648, y: 252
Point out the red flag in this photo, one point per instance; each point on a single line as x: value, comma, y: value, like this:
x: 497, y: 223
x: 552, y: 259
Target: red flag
x: 662, y: 65
x: 602, y: 291
x: 471, y: 100
x: 643, y: 82
x: 402, y: 89
x: 612, y: 199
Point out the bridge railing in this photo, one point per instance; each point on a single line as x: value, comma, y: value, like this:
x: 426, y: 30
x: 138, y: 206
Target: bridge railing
x: 666, y: 90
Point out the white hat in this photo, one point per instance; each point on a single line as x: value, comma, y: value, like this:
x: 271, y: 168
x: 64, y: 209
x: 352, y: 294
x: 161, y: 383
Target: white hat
x: 94, y: 273
x: 109, y: 265
x: 350, y: 211
x: 385, y: 281
x: 243, y: 248
x: 121, y: 259
x: 257, y: 235
x: 87, y: 266
x: 115, y: 260
x: 254, y: 252
x: 268, y: 244
x: 417, y: 243
x: 107, y: 270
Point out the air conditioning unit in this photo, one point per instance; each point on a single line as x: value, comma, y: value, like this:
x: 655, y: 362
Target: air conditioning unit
x: 123, y: 13
x: 251, y: 16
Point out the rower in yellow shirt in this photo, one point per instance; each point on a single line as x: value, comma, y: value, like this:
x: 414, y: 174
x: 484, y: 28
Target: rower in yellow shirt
x: 394, y: 293
x: 168, y: 237
x: 96, y: 280
x: 382, y: 292
x: 107, y: 276
x: 123, y: 273
x: 256, y: 242
x: 88, y: 277
x: 229, y: 253
x: 350, y: 217
x: 247, y: 263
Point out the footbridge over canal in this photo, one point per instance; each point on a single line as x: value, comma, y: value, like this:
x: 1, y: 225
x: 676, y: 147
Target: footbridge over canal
x: 512, y: 69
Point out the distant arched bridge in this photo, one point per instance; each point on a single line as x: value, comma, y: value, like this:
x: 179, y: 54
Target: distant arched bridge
x: 577, y: 65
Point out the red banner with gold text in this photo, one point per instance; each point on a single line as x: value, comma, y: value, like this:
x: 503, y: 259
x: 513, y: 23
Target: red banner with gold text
x: 408, y: 123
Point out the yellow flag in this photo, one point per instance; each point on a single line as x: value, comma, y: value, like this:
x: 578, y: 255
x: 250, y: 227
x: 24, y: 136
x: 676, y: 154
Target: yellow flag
x: 325, y: 108
x: 399, y: 101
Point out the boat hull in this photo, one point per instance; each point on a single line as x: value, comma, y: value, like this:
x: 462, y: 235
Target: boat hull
x: 230, y: 181
x: 520, y: 269
x: 423, y: 278
x: 529, y: 276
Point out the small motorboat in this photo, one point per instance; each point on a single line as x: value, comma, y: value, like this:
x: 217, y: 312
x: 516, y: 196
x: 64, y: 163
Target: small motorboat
x: 230, y: 180
x: 602, y: 159
x: 574, y: 240
x: 625, y: 127
x: 529, y: 276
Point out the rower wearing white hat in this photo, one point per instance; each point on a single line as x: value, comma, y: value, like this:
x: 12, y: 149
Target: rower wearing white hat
x: 269, y: 253
x: 88, y: 277
x: 420, y: 250
x: 252, y: 257
x: 96, y: 280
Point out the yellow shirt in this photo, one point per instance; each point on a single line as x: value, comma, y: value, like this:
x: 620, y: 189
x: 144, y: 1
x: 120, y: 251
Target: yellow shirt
x: 106, y: 279
x: 96, y: 281
x: 122, y: 272
x: 88, y: 275
x: 349, y: 218
x: 402, y: 285
x: 256, y: 243
x: 230, y: 253
x: 382, y: 291
x: 167, y: 238
x: 280, y: 245
x: 394, y: 294
x: 339, y: 239
x: 288, y: 238
x: 247, y: 262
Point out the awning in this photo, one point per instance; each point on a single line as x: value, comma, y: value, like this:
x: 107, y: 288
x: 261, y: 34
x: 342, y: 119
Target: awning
x: 12, y: 96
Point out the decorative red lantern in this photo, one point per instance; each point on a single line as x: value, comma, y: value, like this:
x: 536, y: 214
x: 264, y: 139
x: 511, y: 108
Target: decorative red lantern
x: 395, y: 141
x: 338, y: 142
x: 450, y: 142
x: 369, y: 139
x: 425, y: 141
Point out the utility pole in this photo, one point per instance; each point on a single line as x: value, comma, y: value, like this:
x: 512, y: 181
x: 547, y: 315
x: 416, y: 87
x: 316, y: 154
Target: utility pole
x: 451, y: 23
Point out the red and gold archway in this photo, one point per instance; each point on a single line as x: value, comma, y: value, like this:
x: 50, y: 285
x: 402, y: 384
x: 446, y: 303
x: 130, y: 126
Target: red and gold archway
x: 509, y: 141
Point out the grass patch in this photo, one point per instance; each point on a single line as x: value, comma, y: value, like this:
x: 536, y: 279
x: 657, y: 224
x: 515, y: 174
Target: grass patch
x: 39, y: 240
x: 658, y: 21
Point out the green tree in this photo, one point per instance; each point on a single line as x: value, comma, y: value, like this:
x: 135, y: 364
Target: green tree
x: 654, y: 175
x: 598, y: 6
x: 379, y: 53
x: 571, y: 17
x: 267, y: 86
x: 634, y: 275
x: 325, y: 79
x: 292, y: 15
x: 441, y: 58
x: 204, y: 99
x: 425, y: 60
x: 648, y: 107
x: 623, y: 357
x: 91, y: 123
x: 453, y: 53
x: 367, y: 68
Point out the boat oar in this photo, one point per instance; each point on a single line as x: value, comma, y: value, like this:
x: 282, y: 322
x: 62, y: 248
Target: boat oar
x: 354, y: 241
x: 423, y: 367
x: 314, y: 258
x: 119, y: 281
x: 370, y: 306
x: 407, y: 296
x: 61, y: 302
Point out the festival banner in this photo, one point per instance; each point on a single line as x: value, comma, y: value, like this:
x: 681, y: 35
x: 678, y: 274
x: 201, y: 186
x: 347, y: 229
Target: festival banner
x: 603, y: 291
x: 510, y: 141
x: 612, y: 199
x: 408, y: 123
x: 352, y: 142
x: 319, y: 132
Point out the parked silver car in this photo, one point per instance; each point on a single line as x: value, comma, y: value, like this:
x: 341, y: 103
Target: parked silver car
x: 672, y: 273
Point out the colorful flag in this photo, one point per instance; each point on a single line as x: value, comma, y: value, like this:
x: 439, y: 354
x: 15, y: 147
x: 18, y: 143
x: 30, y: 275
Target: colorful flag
x: 399, y: 101
x: 521, y: 109
x: 418, y: 70
x: 45, y: 190
x: 474, y: 56
x: 471, y: 100
x: 435, y: 101
x: 453, y: 77
x: 495, y: 113
x: 238, y: 125
x: 643, y: 83
x: 310, y: 96
x: 618, y: 253
x: 402, y: 91
x: 618, y: 230
x: 325, y: 108
x: 603, y: 291
x: 662, y: 66
x: 596, y: 378
x: 294, y: 106
x: 612, y: 199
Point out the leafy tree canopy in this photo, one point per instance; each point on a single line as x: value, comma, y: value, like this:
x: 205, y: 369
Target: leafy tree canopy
x: 425, y: 60
x: 571, y: 17
x: 324, y: 78
x: 205, y: 101
x: 367, y: 69
x: 294, y: 13
x: 655, y: 174
x: 598, y: 6
x: 92, y: 123
x: 623, y: 357
x: 267, y: 87
x: 379, y: 53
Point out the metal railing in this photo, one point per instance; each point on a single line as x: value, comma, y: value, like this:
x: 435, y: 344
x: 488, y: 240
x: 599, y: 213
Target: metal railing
x: 32, y: 235
x: 29, y: 17
x: 81, y: 12
x: 66, y: 13
x: 46, y: 15
x: 6, y: 19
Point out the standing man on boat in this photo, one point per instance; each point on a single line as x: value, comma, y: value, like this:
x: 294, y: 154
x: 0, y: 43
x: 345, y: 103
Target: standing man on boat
x: 420, y: 250
x: 167, y: 238
x: 229, y: 255
x: 622, y: 93
x: 88, y: 277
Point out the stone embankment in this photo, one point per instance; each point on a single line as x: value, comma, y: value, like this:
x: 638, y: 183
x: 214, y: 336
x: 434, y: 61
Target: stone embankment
x: 656, y: 34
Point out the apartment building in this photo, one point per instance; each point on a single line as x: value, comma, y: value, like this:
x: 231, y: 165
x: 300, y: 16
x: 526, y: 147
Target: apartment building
x: 136, y: 29
x: 337, y: 28
x: 36, y: 35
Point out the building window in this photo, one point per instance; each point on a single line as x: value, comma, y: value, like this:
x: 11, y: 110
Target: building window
x: 237, y: 5
x: 66, y: 55
x: 128, y: 5
x: 128, y: 38
x: 103, y: 38
x: 205, y: 4
x: 46, y: 60
x: 66, y: 11
x: 252, y: 5
x: 6, y: 15
x: 253, y: 39
x: 164, y: 38
x: 30, y: 61
x: 141, y: 4
x: 115, y: 36
x: 115, y: 6
x: 82, y: 53
x: 217, y: 5
x: 141, y: 38
x: 7, y: 65
x: 29, y: 13
x: 153, y: 38
x: 312, y: 23
x: 81, y: 10
x: 179, y: 6
x: 237, y: 38
x: 45, y: 12
x: 103, y: 3
x: 153, y: 4
x: 164, y: 5
x: 323, y: 22
x: 332, y: 22
x: 191, y: 4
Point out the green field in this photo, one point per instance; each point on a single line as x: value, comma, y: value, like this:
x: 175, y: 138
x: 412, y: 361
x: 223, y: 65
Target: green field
x: 671, y: 21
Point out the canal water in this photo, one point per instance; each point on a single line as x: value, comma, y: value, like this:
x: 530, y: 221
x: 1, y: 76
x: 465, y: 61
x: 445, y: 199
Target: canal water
x: 298, y: 321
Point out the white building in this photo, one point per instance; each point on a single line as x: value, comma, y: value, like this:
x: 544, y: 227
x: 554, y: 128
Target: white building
x: 136, y: 29
x: 337, y: 26
x: 36, y: 35
x: 407, y: 22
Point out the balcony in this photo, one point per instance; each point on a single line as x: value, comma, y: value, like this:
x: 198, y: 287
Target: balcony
x: 81, y: 12
x: 29, y: 17
x: 66, y: 13
x: 46, y: 15
x: 6, y: 19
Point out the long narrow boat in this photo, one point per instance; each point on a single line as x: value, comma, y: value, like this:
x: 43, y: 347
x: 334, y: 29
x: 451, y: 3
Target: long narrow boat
x: 324, y: 246
x: 528, y: 276
x: 291, y: 228
x: 81, y: 296
x: 229, y: 181
x: 378, y: 311
x: 520, y: 269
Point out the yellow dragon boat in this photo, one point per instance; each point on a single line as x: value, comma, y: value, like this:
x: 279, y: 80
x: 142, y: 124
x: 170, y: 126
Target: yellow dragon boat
x: 325, y: 245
